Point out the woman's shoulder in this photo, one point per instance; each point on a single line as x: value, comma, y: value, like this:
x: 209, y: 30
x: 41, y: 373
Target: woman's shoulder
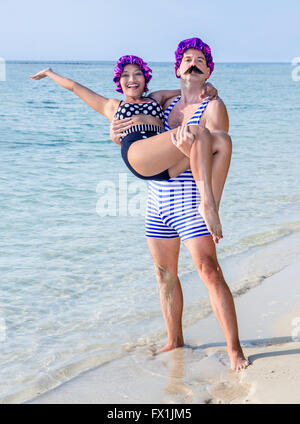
x: 112, y: 107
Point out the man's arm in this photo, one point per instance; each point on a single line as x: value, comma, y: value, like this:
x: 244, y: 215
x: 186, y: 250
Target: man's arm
x: 161, y: 96
x: 216, y: 116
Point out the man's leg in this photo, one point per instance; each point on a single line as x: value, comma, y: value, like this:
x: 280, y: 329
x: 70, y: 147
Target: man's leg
x: 165, y: 255
x: 203, y: 252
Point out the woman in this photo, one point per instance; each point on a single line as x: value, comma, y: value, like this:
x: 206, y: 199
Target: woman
x: 148, y: 151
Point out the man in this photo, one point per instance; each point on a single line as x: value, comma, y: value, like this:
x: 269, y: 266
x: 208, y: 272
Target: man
x: 166, y: 226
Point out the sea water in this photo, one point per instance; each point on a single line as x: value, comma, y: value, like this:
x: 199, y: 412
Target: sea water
x: 77, y: 282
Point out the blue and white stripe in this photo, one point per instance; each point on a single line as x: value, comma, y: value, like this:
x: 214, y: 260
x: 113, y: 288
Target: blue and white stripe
x: 143, y: 128
x: 172, y: 209
x: 194, y: 120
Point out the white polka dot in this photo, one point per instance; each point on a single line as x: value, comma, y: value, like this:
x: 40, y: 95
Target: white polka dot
x: 158, y: 109
x: 153, y: 112
x: 144, y: 136
x: 146, y: 111
x: 136, y: 112
x: 123, y: 110
x: 128, y: 113
x: 121, y: 117
x: 131, y: 108
x: 150, y: 107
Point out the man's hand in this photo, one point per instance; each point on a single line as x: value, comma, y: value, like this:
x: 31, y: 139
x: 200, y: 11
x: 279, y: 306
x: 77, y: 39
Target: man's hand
x: 209, y: 91
x: 117, y: 128
x: 183, y: 139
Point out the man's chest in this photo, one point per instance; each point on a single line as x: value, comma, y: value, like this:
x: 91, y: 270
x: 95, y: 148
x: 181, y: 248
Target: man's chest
x: 180, y: 115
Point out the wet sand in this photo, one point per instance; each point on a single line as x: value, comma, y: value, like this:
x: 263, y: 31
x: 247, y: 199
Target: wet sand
x: 269, y: 323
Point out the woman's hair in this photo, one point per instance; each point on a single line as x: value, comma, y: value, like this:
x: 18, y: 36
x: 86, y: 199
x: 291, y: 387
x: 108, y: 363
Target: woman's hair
x: 135, y: 60
x: 193, y: 43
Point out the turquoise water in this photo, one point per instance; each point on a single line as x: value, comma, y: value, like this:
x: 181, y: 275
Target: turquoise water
x: 77, y: 287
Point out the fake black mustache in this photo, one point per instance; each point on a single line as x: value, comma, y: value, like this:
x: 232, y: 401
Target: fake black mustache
x: 195, y: 69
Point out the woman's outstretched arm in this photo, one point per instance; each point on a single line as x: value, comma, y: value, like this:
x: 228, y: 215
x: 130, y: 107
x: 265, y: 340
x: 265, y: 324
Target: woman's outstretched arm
x: 100, y: 104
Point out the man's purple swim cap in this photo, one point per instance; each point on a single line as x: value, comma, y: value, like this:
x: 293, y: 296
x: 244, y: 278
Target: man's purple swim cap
x: 135, y: 60
x: 193, y: 43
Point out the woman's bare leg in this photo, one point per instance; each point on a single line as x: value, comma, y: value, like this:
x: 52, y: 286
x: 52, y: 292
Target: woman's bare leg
x: 222, y: 149
x: 179, y: 167
x: 155, y: 154
x: 201, y: 160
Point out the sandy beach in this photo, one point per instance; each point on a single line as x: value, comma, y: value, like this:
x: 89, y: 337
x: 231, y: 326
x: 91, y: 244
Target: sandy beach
x: 269, y: 322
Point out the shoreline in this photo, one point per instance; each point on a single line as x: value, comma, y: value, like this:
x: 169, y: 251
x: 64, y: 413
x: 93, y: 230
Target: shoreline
x: 199, y: 372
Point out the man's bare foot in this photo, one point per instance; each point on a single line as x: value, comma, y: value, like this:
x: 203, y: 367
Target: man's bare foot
x: 238, y: 361
x: 212, y: 221
x: 170, y: 346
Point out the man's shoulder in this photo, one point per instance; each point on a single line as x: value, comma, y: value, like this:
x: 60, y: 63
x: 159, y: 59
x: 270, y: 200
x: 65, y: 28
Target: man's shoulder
x: 216, y: 105
x: 216, y: 116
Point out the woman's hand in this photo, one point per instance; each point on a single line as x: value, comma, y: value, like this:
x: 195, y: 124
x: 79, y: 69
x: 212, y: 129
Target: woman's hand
x: 117, y: 128
x: 183, y: 140
x: 209, y: 91
x: 41, y: 74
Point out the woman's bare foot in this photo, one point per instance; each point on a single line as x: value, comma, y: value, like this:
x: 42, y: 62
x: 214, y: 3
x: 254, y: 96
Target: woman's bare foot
x: 212, y: 220
x: 238, y: 361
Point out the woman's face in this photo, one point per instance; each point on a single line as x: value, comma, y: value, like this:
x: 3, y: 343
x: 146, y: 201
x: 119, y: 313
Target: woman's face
x: 132, y: 81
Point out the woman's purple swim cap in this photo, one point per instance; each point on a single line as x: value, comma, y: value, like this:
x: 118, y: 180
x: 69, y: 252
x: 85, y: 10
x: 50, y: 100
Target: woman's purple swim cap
x: 135, y: 60
x: 193, y: 43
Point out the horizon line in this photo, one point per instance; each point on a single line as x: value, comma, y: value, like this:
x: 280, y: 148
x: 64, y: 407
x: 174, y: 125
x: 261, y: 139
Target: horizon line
x: 113, y: 61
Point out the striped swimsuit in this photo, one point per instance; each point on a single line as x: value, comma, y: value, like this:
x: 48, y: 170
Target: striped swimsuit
x: 172, y: 208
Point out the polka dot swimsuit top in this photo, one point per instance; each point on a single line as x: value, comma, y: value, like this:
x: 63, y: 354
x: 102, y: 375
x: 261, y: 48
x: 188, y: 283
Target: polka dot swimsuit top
x: 131, y: 109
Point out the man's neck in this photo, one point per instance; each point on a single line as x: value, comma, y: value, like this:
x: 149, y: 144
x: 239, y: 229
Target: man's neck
x: 191, y: 92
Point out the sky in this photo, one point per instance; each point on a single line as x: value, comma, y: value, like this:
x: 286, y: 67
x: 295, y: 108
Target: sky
x: 237, y: 31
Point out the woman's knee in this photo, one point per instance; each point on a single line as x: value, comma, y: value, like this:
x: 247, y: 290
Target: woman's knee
x: 222, y: 141
x: 199, y: 132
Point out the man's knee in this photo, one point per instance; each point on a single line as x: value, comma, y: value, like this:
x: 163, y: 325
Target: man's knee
x: 165, y: 278
x: 208, y: 268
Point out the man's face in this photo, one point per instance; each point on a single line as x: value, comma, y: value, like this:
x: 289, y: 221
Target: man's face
x: 193, y: 65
